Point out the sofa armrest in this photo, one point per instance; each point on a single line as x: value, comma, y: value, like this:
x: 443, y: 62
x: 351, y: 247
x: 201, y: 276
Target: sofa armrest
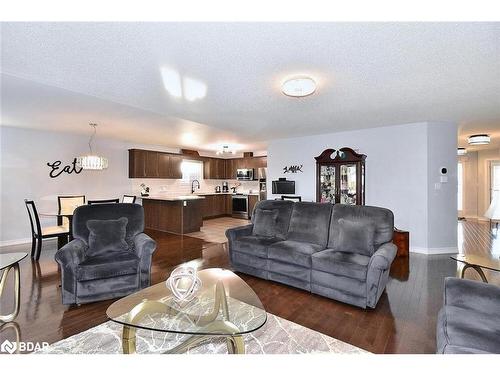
x: 471, y: 294
x: 144, y: 245
x: 71, y: 254
x: 233, y: 234
x: 383, y: 257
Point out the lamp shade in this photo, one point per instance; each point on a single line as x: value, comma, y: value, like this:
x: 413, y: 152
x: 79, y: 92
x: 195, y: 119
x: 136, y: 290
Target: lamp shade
x: 92, y: 162
x: 493, y: 211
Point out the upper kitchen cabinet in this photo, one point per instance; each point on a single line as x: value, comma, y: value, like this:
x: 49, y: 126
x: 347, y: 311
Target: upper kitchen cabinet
x: 136, y: 163
x: 230, y: 172
x: 169, y: 166
x: 214, y: 169
x: 154, y: 164
x: 152, y: 170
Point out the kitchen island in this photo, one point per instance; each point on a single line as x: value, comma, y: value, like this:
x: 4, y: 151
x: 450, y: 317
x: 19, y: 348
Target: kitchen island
x: 174, y: 214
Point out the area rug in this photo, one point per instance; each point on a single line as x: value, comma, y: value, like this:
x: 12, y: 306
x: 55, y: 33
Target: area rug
x: 277, y: 336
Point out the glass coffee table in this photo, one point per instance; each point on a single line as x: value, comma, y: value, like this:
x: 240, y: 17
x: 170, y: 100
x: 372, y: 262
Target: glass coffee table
x: 225, y: 306
x: 477, y: 262
x: 10, y: 261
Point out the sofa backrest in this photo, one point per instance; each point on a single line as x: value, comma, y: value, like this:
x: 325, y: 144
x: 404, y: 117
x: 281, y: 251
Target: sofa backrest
x: 382, y: 218
x: 310, y: 222
x: 284, y: 212
x: 133, y: 212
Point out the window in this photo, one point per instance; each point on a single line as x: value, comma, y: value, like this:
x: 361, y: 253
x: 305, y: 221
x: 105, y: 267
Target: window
x: 192, y: 170
x: 495, y: 179
x: 460, y: 178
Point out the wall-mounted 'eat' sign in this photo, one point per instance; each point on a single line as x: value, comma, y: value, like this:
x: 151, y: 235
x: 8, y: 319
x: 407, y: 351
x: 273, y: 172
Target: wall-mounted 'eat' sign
x: 56, y: 169
x: 293, y: 169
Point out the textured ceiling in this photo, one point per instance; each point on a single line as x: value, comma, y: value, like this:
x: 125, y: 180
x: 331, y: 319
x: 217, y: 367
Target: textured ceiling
x: 63, y: 75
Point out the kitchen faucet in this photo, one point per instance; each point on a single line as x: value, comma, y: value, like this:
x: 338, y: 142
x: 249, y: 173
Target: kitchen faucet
x: 192, y: 185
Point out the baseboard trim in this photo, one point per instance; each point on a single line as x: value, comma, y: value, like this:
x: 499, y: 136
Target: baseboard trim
x: 434, y: 250
x: 21, y: 241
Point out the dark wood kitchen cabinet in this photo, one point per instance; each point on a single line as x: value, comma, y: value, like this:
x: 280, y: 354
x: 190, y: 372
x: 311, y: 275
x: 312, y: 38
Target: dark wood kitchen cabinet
x: 137, y: 163
x: 214, y: 169
x: 152, y: 170
x: 214, y: 205
x: 252, y: 201
x: 154, y: 164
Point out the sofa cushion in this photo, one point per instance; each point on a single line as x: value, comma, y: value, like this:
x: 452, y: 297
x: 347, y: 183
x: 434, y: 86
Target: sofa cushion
x: 345, y: 285
x: 283, y: 220
x: 109, y: 265
x: 310, y: 222
x: 265, y: 222
x: 355, y: 237
x: 382, y: 218
x: 293, y: 252
x: 460, y: 327
x: 339, y: 263
x: 106, y: 236
x: 254, y: 245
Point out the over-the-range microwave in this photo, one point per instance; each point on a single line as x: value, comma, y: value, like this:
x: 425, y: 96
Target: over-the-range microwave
x: 244, y: 174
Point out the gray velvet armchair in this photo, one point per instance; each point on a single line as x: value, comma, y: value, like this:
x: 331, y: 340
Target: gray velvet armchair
x: 109, y: 257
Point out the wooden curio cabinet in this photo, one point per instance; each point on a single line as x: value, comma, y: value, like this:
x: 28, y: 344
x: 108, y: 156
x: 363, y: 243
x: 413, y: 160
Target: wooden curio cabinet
x: 340, y: 177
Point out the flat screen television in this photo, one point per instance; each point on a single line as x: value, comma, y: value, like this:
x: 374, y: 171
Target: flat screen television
x: 283, y: 187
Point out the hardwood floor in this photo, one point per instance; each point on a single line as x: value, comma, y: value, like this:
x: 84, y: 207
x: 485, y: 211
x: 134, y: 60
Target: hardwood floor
x: 403, y: 322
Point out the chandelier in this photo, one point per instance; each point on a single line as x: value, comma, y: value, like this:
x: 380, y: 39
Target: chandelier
x: 91, y: 161
x: 225, y: 150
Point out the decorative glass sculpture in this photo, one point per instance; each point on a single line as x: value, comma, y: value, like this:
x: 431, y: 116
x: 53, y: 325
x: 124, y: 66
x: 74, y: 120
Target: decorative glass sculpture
x: 184, y: 283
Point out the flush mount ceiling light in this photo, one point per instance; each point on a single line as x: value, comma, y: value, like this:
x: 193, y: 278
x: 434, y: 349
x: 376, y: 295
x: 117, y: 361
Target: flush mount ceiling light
x: 226, y: 150
x: 298, y: 86
x: 461, y: 151
x: 90, y: 161
x: 479, y: 139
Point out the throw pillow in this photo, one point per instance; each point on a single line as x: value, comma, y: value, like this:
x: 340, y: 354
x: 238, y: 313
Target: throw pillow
x: 265, y: 222
x: 106, y: 236
x: 355, y: 237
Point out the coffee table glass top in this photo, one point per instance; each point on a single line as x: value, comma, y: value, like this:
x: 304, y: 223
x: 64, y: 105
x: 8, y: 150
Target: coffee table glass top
x: 155, y: 308
x: 478, y: 260
x: 8, y: 259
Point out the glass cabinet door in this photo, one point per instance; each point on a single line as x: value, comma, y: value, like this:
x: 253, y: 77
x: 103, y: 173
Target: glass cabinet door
x: 327, y: 183
x: 348, y: 188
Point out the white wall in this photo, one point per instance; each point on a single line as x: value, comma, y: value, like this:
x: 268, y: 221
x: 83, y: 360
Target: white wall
x: 442, y: 196
x: 397, y: 174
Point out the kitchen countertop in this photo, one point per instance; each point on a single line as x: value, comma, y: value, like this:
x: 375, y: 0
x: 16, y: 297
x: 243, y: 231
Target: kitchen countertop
x: 173, y: 198
x: 226, y: 193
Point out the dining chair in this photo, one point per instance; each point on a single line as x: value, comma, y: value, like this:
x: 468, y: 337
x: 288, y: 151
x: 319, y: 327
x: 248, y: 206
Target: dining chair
x: 294, y: 198
x: 129, y: 199
x: 104, y: 201
x: 38, y: 233
x: 67, y: 204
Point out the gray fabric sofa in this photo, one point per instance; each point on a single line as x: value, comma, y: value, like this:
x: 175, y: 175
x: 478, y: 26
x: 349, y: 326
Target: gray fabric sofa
x: 341, y: 252
x: 469, y: 321
x: 109, y: 256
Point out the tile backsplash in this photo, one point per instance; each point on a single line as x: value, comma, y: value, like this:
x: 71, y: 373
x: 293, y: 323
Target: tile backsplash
x: 183, y: 187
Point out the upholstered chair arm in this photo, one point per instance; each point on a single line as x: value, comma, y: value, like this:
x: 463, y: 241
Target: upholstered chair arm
x: 467, y: 293
x: 144, y: 245
x: 234, y: 233
x: 71, y: 254
x: 383, y: 257
x: 378, y: 272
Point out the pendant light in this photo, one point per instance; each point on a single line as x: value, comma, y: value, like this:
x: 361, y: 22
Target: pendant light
x: 91, y: 161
